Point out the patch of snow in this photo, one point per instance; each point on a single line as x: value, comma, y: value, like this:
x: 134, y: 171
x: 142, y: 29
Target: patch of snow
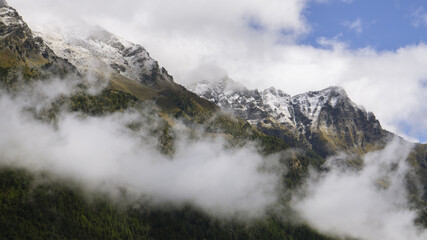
x: 201, y: 88
x: 9, y: 17
x: 274, y: 105
x: 312, y: 103
x: 278, y: 104
x: 100, y: 51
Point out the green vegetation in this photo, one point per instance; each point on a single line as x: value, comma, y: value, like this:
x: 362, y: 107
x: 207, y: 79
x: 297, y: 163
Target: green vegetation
x: 108, y: 101
x: 35, y: 207
x: 17, y: 69
x: 11, y: 63
x: 418, y: 196
x: 40, y: 206
x: 180, y: 103
x: 54, y: 211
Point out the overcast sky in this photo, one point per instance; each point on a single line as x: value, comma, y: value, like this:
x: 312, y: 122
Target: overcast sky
x: 374, y: 49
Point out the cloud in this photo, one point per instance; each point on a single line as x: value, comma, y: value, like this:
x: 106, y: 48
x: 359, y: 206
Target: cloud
x: 367, y: 204
x: 356, y: 25
x: 178, y: 17
x: 103, y: 154
x: 419, y: 17
x: 332, y: 43
x: 219, y: 34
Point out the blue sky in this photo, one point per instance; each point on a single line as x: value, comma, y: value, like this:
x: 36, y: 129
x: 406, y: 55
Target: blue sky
x: 380, y: 24
x: 384, y: 25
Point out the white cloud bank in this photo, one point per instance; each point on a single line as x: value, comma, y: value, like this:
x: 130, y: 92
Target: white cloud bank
x: 103, y: 154
x: 370, y: 204
x: 185, y: 35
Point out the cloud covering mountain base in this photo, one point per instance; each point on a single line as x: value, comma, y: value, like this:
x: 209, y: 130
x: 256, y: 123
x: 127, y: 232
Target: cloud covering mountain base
x: 368, y: 204
x: 103, y: 154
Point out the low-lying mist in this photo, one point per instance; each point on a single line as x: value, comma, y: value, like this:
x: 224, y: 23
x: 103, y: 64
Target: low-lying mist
x: 368, y: 204
x: 104, y: 154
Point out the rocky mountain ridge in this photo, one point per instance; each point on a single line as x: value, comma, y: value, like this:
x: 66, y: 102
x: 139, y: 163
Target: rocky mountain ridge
x: 96, y: 50
x: 23, y: 54
x: 93, y: 55
x: 325, y: 121
x: 309, y: 119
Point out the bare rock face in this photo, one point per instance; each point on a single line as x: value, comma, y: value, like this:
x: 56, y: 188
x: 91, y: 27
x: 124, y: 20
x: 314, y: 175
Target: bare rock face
x: 96, y: 50
x: 21, y: 51
x: 15, y: 33
x: 326, y: 121
x: 3, y: 3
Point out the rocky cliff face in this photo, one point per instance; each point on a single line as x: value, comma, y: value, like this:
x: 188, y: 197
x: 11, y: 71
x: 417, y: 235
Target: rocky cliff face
x: 126, y: 67
x: 22, y: 52
x: 326, y: 121
x: 96, y: 50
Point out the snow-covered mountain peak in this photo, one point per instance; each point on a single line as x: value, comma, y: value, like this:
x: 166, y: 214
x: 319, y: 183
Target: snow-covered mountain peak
x: 276, y: 92
x: 328, y: 95
x: 311, y: 103
x: 222, y: 86
x: 95, y: 49
x: 308, y: 118
x: 336, y: 90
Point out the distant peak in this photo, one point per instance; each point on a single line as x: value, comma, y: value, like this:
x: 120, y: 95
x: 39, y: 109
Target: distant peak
x: 335, y: 89
x: 276, y: 92
x: 224, y: 84
x: 3, y: 3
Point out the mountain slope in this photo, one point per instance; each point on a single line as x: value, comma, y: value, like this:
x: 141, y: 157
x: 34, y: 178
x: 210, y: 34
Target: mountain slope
x: 22, y: 54
x: 326, y: 121
x: 40, y: 206
x: 128, y: 70
x: 56, y: 210
x: 95, y: 50
x: 126, y: 67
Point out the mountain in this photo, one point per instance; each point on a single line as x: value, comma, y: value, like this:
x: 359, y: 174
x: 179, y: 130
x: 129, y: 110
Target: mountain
x: 39, y: 205
x: 326, y: 121
x: 126, y: 67
x: 96, y: 50
x: 23, y: 55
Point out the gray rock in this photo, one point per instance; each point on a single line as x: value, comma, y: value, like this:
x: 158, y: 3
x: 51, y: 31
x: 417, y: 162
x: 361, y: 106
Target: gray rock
x: 3, y: 3
x: 30, y: 51
x: 326, y: 121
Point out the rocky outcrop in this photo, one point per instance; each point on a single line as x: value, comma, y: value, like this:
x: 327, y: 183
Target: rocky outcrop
x: 24, y: 55
x: 96, y: 50
x: 326, y: 121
